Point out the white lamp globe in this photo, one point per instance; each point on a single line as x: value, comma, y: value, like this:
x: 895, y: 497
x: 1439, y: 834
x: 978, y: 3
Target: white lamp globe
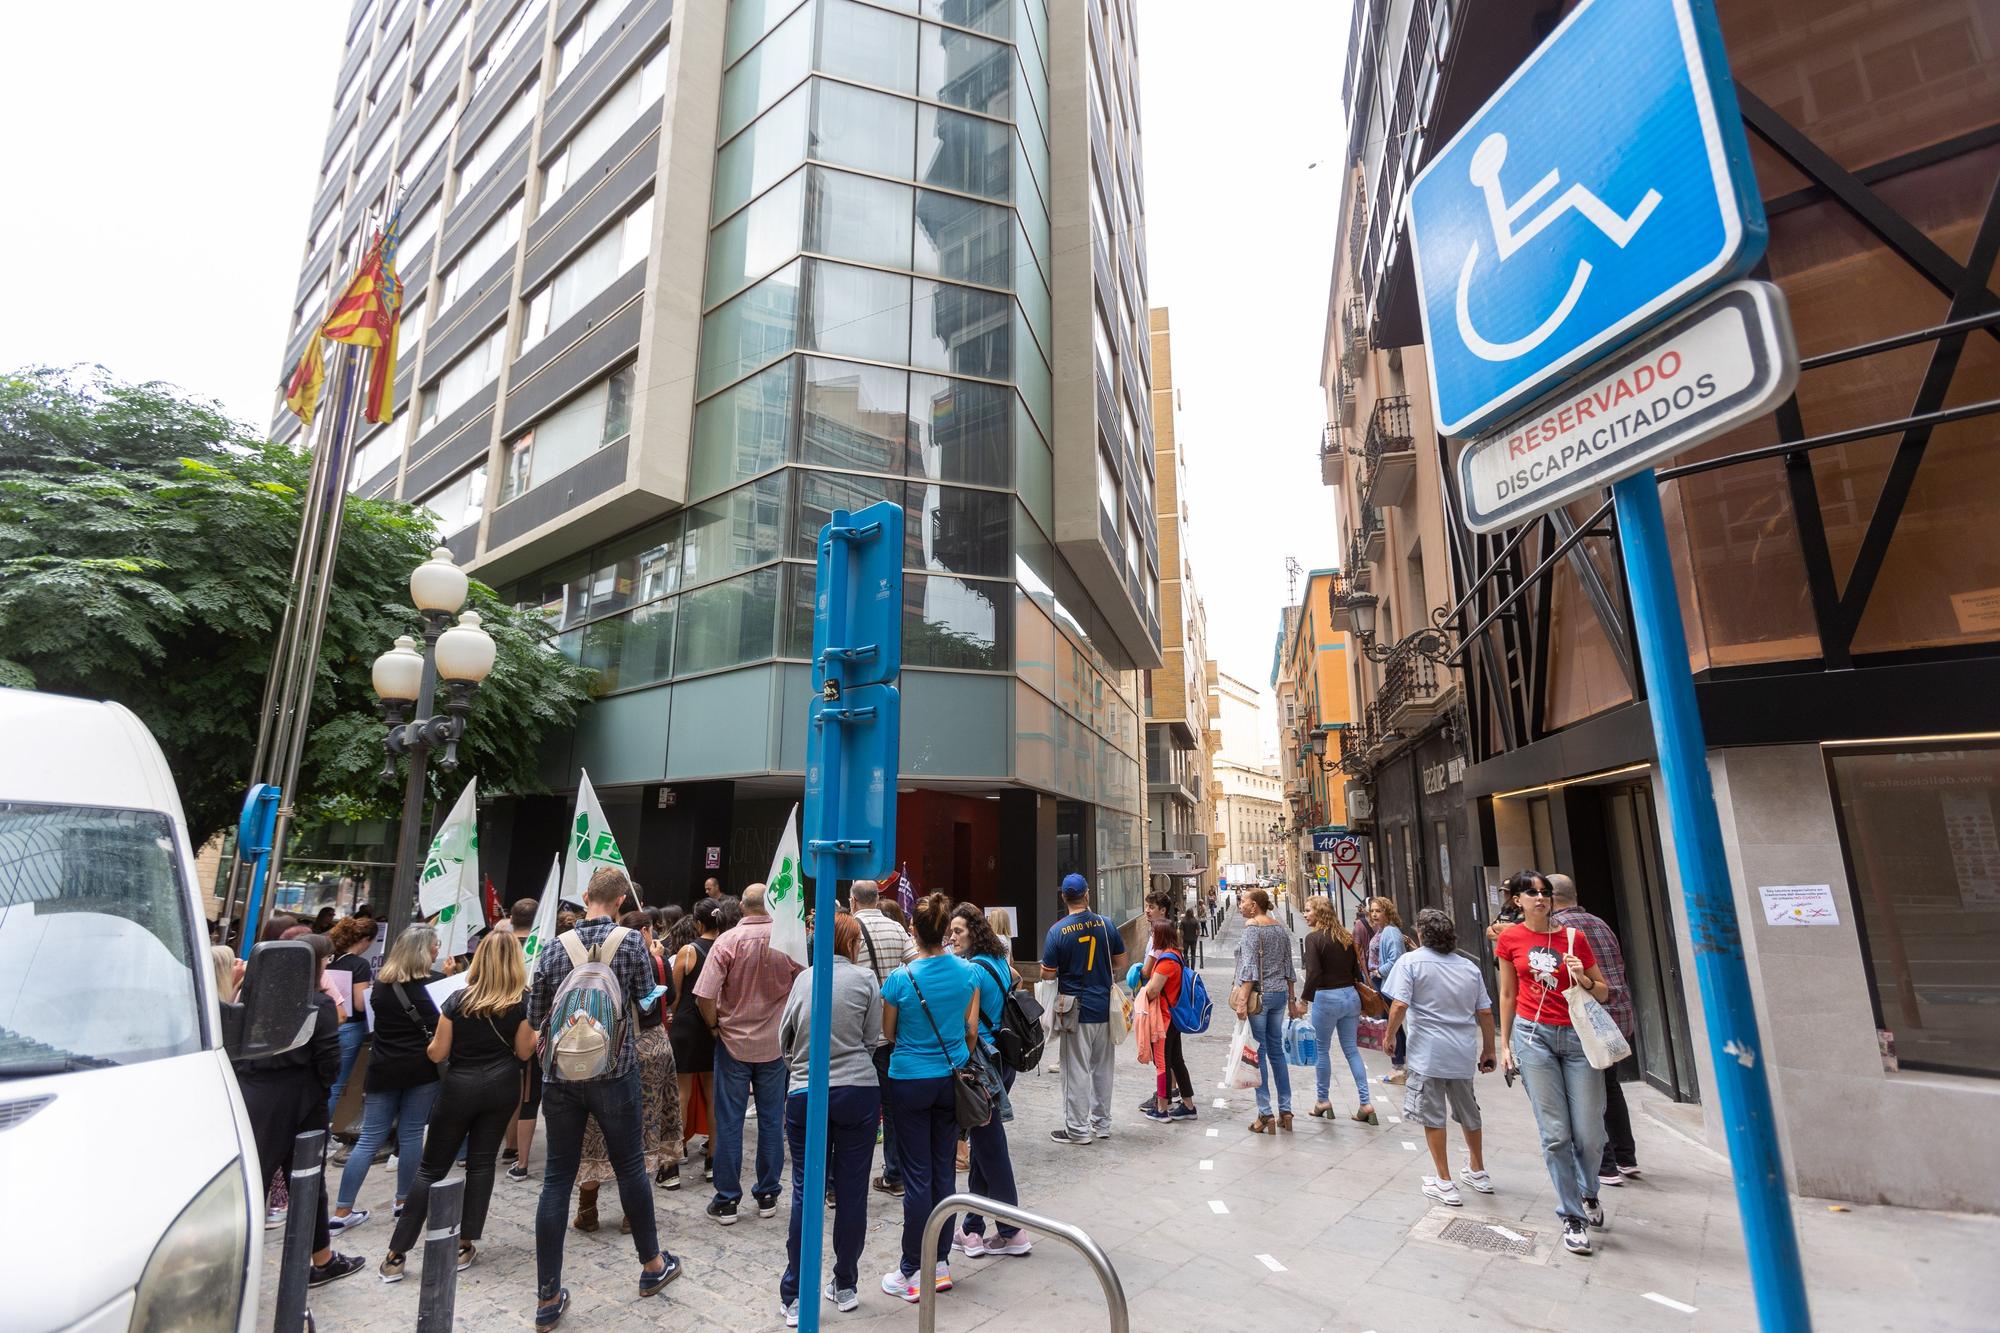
x: 438, y: 584
x: 465, y: 651
x: 399, y: 673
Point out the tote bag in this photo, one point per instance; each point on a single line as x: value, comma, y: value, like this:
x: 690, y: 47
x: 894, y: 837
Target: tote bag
x: 1603, y: 1044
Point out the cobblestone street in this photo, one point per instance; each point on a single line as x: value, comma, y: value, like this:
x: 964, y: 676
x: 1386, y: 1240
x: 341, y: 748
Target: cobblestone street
x: 1210, y: 1226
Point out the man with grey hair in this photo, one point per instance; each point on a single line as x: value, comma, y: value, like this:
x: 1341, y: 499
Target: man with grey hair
x: 741, y: 994
x: 1621, y: 1155
x: 1444, y: 998
x: 885, y: 946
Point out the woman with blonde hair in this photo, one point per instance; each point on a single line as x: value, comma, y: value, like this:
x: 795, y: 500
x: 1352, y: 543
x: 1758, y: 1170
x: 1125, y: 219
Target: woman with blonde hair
x: 1332, y: 968
x: 484, y: 1032
x: 1389, y: 943
x: 401, y: 1083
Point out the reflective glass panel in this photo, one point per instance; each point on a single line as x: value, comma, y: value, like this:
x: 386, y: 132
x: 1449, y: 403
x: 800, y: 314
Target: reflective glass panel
x: 962, y: 329
x: 756, y: 240
x: 855, y: 416
x: 867, y: 45
x: 734, y: 531
x: 633, y: 649
x: 966, y: 71
x: 858, y: 217
x: 956, y: 623
x: 744, y: 431
x: 754, y: 327
x: 728, y: 623
x: 958, y: 531
x: 773, y: 68
x: 964, y: 153
x: 857, y: 312
x: 994, y: 16
x: 961, y: 431
x: 761, y: 154
x: 852, y: 127
x: 820, y: 493
x: 962, y: 238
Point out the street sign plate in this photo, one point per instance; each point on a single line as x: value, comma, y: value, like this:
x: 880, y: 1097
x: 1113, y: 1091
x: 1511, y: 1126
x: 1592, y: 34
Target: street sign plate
x: 1556, y: 225
x: 864, y: 785
x: 1347, y: 851
x: 1325, y: 842
x: 1692, y: 378
x: 873, y: 614
x: 1348, y: 871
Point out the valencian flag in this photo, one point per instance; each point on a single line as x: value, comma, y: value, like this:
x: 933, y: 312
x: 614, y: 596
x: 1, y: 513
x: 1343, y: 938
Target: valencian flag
x: 367, y: 315
x: 302, y: 391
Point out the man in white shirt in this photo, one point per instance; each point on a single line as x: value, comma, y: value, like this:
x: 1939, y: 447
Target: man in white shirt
x: 1444, y: 998
x: 885, y: 946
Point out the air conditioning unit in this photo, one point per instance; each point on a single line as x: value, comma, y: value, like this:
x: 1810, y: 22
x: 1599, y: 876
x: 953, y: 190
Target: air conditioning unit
x: 1360, y: 805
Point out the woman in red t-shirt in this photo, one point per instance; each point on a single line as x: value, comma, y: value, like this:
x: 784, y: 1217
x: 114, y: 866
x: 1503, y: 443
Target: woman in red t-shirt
x: 1537, y: 962
x: 1162, y: 989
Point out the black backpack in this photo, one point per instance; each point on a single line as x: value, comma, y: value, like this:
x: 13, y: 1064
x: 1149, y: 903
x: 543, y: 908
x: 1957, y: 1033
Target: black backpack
x: 1020, y: 1035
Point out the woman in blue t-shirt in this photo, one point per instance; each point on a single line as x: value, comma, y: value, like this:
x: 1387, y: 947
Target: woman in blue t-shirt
x: 930, y: 1018
x: 990, y: 1169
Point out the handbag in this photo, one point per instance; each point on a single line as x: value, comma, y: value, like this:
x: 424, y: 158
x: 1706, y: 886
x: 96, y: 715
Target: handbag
x: 971, y: 1104
x: 1372, y: 1003
x: 1603, y: 1044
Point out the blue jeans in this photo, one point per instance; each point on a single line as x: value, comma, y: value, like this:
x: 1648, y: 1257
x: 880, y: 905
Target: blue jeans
x: 736, y: 1081
x: 403, y: 1110
x: 1267, y: 1025
x: 353, y: 1036
x: 1568, y: 1097
x: 616, y: 1104
x: 1338, y: 1012
x: 927, y: 1133
x: 992, y: 1171
x: 851, y: 1116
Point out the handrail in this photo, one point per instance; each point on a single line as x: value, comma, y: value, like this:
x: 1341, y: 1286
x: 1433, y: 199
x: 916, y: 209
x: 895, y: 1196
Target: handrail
x: 1074, y: 1237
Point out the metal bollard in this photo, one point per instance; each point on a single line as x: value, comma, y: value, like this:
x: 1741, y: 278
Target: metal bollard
x: 440, y: 1289
x: 308, y: 1159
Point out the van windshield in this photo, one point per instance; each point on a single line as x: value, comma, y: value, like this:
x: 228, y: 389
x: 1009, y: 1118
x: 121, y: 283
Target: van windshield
x: 95, y: 945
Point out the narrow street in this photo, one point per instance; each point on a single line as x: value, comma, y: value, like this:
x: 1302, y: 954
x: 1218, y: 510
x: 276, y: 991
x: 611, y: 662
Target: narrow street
x: 1211, y: 1227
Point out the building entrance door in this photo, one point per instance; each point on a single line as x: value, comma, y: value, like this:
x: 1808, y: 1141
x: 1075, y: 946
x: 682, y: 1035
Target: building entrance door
x: 1646, y: 930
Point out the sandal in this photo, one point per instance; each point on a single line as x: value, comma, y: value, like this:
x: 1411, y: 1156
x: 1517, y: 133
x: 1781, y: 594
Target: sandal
x: 1322, y: 1111
x: 1263, y: 1125
x: 1285, y: 1121
x: 1366, y: 1115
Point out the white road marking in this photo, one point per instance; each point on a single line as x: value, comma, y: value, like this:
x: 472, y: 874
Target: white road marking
x: 1217, y: 1206
x: 1222, y: 1102
x: 1670, y: 1302
x: 1214, y: 1133
x: 1409, y: 1146
x: 1207, y: 1165
x: 1270, y: 1263
x: 1514, y: 1236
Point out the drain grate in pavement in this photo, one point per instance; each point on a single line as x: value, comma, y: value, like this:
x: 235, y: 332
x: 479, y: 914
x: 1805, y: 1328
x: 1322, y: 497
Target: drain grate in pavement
x: 1484, y: 1237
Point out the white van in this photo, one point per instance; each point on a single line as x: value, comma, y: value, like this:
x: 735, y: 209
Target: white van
x: 128, y: 1162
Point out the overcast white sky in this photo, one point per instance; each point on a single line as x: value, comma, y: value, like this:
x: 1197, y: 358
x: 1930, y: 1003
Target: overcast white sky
x: 164, y: 158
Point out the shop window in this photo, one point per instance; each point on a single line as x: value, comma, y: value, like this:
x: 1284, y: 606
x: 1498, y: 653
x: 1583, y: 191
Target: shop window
x: 1920, y: 828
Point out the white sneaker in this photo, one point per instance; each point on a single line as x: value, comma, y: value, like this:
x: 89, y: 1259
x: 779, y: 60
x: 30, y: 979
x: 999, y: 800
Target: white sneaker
x: 898, y: 1283
x: 1101, y: 1132
x: 1443, y: 1191
x: 1479, y: 1180
x: 968, y: 1243
x: 790, y: 1310
x: 847, y: 1298
x: 275, y: 1218
x: 943, y: 1278
x: 1017, y: 1244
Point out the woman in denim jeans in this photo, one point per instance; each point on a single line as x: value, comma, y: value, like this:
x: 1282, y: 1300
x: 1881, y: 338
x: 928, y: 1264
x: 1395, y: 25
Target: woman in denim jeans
x: 402, y: 1082
x: 1264, y: 968
x: 1332, y: 968
x: 1537, y: 961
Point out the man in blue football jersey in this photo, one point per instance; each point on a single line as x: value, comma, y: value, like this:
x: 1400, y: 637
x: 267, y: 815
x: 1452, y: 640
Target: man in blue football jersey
x: 1081, y: 955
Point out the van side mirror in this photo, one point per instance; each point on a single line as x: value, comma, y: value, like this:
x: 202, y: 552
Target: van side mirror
x: 273, y: 1012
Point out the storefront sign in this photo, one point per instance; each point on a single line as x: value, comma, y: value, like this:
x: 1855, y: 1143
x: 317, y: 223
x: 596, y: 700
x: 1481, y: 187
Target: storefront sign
x: 1799, y: 905
x: 713, y: 859
x: 1727, y: 360
x: 1977, y: 612
x: 1437, y: 777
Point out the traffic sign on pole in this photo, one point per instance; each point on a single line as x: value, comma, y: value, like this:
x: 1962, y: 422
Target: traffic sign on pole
x: 852, y: 734
x: 1545, y: 240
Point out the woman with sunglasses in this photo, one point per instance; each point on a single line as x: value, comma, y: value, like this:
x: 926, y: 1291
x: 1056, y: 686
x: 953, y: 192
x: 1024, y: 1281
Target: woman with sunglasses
x: 1537, y: 961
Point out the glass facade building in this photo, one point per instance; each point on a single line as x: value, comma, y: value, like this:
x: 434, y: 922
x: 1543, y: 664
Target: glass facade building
x: 703, y: 287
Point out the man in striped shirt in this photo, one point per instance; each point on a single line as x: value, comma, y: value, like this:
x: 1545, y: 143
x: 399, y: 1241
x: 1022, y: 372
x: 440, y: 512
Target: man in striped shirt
x: 1621, y: 1157
x: 885, y: 946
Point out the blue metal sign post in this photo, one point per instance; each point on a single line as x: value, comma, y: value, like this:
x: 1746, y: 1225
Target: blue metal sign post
x: 255, y: 828
x: 850, y: 807
x: 1604, y: 187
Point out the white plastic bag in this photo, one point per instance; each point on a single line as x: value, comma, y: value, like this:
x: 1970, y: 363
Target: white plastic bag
x: 1603, y: 1044
x: 1045, y: 995
x: 1241, y: 1070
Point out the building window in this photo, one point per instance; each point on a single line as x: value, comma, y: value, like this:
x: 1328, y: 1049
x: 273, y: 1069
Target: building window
x: 595, y: 136
x: 485, y: 251
x: 446, y: 55
x: 425, y: 150
x: 410, y: 334
x: 594, y: 268
x: 1920, y: 827
x: 481, y: 161
x: 526, y: 19
x: 458, y: 503
x: 376, y: 155
x: 1107, y: 355
x: 374, y: 456
x: 416, y: 239
x: 596, y: 21
x: 572, y: 433
x: 1107, y: 488
x: 389, y: 86
x: 467, y: 376
x: 336, y: 166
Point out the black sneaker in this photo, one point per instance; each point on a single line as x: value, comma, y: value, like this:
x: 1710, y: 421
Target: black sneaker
x: 334, y: 1269
x: 1594, y: 1210
x: 517, y: 1172
x: 884, y: 1185
x: 767, y: 1205
x: 1063, y: 1136
x: 669, y: 1177
x: 708, y: 1168
x: 723, y: 1211
x: 1576, y: 1236
x: 507, y: 1154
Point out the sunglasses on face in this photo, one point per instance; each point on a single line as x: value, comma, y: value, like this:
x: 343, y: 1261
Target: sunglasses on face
x: 1543, y: 892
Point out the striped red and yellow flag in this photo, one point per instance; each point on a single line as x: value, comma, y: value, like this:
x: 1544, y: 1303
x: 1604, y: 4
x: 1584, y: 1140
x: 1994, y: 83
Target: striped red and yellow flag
x: 303, y: 389
x: 368, y: 314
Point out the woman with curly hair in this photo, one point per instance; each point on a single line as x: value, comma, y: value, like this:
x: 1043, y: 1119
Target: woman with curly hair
x: 989, y: 1168
x: 1390, y: 942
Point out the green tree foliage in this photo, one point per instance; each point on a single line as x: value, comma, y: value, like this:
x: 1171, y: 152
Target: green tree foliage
x: 145, y: 556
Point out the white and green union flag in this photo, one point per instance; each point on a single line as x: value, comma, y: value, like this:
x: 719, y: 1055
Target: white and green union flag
x: 785, y: 895
x: 591, y: 846
x: 545, y: 912
x: 448, y: 888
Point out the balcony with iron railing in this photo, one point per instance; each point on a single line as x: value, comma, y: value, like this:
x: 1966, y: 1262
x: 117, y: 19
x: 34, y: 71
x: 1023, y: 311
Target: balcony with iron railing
x: 1389, y: 453
x: 1354, y: 334
x: 1368, y: 532
x: 1332, y: 453
x: 1357, y: 564
x: 1343, y: 392
x: 1340, y: 591
x: 1357, y: 231
x: 1412, y: 692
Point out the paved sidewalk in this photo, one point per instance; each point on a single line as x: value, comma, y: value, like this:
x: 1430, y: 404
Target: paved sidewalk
x: 1324, y: 1228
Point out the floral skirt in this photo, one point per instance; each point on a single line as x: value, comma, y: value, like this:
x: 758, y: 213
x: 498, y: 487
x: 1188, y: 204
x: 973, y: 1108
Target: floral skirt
x: 659, y: 1116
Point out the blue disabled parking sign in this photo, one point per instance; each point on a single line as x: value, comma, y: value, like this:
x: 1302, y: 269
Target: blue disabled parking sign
x: 1605, y: 185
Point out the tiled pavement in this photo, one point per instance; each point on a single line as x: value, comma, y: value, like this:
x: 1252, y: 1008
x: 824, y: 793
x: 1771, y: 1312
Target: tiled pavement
x: 1333, y: 1206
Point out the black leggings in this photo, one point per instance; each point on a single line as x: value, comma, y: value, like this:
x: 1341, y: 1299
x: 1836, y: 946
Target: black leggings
x: 480, y: 1111
x: 1177, y: 1070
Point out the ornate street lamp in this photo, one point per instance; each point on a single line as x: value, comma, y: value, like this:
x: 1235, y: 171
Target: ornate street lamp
x: 405, y: 680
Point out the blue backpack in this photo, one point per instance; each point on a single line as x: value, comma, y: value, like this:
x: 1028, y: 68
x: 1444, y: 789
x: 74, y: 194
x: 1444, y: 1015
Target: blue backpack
x: 1192, y: 1010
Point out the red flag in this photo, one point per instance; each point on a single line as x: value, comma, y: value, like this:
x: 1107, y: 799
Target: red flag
x: 489, y: 901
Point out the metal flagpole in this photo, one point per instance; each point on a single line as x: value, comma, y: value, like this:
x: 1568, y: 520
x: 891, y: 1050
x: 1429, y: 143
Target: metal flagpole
x: 305, y: 662
x: 281, y: 647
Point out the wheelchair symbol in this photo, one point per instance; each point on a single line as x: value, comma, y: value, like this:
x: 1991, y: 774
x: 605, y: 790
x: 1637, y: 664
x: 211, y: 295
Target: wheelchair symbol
x: 1484, y: 172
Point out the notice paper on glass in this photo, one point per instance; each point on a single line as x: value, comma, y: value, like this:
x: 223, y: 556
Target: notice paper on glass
x: 1798, y: 905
